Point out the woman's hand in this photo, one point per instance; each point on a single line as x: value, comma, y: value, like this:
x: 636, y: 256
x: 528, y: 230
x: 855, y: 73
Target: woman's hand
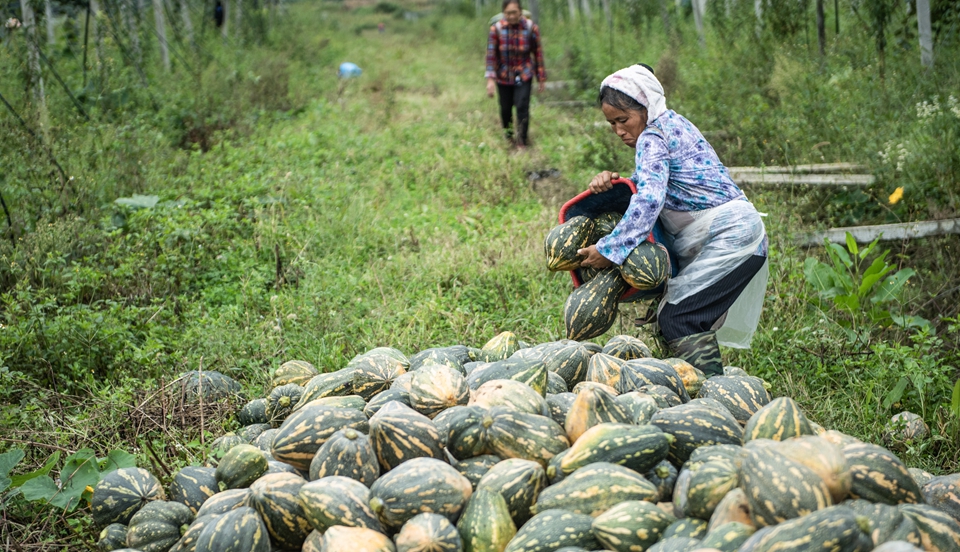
x: 593, y: 258
x: 603, y: 182
x: 491, y: 87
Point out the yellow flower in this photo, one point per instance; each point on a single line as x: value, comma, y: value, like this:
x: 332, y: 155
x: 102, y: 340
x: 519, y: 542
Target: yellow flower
x: 896, y: 196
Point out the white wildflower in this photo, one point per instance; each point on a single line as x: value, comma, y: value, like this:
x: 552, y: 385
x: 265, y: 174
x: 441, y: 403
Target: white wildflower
x: 954, y: 104
x: 13, y: 23
x: 928, y: 110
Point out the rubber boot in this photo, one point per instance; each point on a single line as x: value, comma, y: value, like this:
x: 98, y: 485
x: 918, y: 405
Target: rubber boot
x: 700, y: 350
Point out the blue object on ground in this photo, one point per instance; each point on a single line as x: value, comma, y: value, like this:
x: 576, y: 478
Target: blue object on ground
x: 349, y: 70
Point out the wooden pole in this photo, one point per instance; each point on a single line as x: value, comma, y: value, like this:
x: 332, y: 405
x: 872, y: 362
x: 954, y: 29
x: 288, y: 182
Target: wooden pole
x: 187, y: 22
x: 51, y: 27
x: 158, y: 20
x: 926, y: 36
x: 33, y: 58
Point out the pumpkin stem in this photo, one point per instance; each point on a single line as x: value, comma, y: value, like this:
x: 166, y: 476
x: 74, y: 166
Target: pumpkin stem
x: 376, y: 504
x: 350, y: 434
x: 183, y: 529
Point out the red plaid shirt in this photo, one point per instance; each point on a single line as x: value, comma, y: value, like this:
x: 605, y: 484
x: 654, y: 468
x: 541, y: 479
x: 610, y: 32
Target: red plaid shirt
x: 513, y: 51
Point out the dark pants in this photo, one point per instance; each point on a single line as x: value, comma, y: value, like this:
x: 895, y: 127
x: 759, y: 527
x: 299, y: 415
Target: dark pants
x: 699, y: 312
x: 519, y: 96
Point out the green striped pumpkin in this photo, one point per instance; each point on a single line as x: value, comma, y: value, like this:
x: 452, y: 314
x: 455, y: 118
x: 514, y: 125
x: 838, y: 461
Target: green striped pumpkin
x: 728, y: 537
x: 939, y: 532
x: 640, y: 372
x: 626, y: 347
x: 223, y: 502
x: 531, y: 372
x: 303, y: 433
x: 355, y: 539
x: 567, y: 359
x: 400, y: 433
x: 453, y: 357
x: 514, y: 434
x: 355, y: 402
x: 604, y: 368
x: 519, y: 482
x: 264, y: 441
x: 604, y: 224
x: 887, y: 523
x: 733, y: 507
x: 823, y: 457
x: 595, y: 488
x: 113, y: 537
x: 709, y: 484
x: 675, y: 544
x: 254, y: 412
x: 647, y: 266
x: 593, y: 406
x: 313, y: 542
x: 388, y: 351
x: 829, y: 529
x: 693, y: 379
x: 640, y: 406
x: 639, y: 448
x: 376, y: 403
x: 293, y: 371
x: 563, y: 242
x: 556, y: 383
x: 879, y: 476
x: 428, y: 533
x: 559, y: 405
x: 463, y: 431
x: 779, y: 420
x: 551, y: 530
x: 475, y: 468
x: 280, y: 402
x: 417, y: 486
x: 591, y: 309
x: 435, y: 388
x: 337, y: 500
x: 690, y: 528
x: 275, y: 497
x: 326, y: 385
x: 120, y: 493
x: 188, y: 541
x: 695, y: 425
x: 631, y: 525
x: 779, y: 489
x: 944, y: 492
x: 664, y: 396
x: 238, y: 530
x: 348, y: 453
x: 664, y: 478
x: 375, y: 373
x: 742, y: 396
x: 193, y: 485
x: 158, y: 526
x: 502, y: 346
x: 485, y: 525
x: 250, y: 433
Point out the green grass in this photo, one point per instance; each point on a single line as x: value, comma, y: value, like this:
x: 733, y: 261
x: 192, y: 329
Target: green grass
x: 323, y: 222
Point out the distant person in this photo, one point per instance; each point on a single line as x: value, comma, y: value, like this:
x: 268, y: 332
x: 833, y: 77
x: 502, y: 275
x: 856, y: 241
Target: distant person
x: 514, y: 52
x: 381, y: 27
x: 218, y: 13
x: 716, y: 234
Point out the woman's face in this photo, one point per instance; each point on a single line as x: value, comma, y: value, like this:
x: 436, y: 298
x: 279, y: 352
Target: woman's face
x: 512, y: 13
x: 626, y: 124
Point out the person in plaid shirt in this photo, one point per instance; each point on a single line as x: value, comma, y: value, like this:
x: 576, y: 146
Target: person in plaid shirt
x: 514, y: 51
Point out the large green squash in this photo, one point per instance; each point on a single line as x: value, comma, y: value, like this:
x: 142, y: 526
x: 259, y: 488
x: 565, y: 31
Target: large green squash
x: 337, y: 500
x: 742, y: 396
x: 158, y: 526
x: 400, y: 433
x: 241, y: 466
x: 709, y: 483
x: 944, y: 492
x: 223, y: 502
x: 120, y: 493
x: 639, y: 448
x: 552, y: 530
x: 380, y: 399
x: 559, y: 406
x: 417, y: 486
x: 879, y: 476
x: 529, y: 371
x: 239, y: 530
x: 475, y: 468
x: 193, y: 485
x: 113, y: 537
x: 293, y: 371
x: 640, y: 406
x: 563, y: 242
x: 690, y: 528
x: 486, y: 525
x: 626, y: 347
x: 823, y: 457
x: 637, y: 373
x: 454, y: 356
x: 208, y: 386
x: 939, y: 532
x: 647, y: 266
x: 664, y: 478
x: 511, y: 394
x: 604, y: 368
x: 695, y: 425
x: 831, y: 529
x: 591, y: 309
x: 388, y: 351
x: 254, y: 412
x: 567, y: 359
x: 502, y: 346
x: 728, y: 537
x: 275, y: 497
x: 429, y: 533
x: 593, y: 406
x: 779, y: 420
x: 435, y: 388
x: 631, y: 525
x: 779, y: 489
x: 280, y: 402
x: 463, y: 430
x: 595, y: 488
x: 348, y: 453
x: 887, y: 523
x: 250, y: 433
x: 555, y: 383
x: 327, y: 385
x: 306, y: 430
x: 188, y: 542
x: 514, y: 434
x: 519, y: 482
x: 375, y: 373
x: 355, y: 539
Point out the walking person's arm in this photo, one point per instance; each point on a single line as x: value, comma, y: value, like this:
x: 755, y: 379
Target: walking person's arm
x: 493, y: 51
x: 538, y: 58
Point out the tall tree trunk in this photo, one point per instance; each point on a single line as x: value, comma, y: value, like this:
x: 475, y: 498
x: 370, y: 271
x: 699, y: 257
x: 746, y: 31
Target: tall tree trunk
x: 133, y: 29
x: 51, y: 28
x: 926, y: 38
x: 238, y: 7
x: 572, y: 7
x: 821, y: 29
x: 698, y: 9
x: 187, y: 22
x: 586, y: 9
x: 607, y: 12
x: 97, y: 30
x: 758, y: 10
x: 158, y: 20
x: 33, y: 62
x: 225, y: 28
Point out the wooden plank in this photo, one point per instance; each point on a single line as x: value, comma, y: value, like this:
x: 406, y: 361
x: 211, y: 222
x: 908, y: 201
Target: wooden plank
x: 886, y: 232
x: 783, y: 179
x: 815, y: 168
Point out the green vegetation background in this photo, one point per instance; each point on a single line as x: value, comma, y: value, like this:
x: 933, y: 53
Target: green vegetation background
x: 300, y: 217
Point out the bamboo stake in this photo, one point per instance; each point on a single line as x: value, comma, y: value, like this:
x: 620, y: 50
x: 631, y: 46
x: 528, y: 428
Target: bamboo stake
x: 158, y: 21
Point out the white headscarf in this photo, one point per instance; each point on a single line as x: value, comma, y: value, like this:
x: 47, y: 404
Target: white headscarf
x: 639, y: 83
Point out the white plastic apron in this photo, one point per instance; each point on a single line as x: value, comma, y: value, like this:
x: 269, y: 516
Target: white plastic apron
x: 709, y: 244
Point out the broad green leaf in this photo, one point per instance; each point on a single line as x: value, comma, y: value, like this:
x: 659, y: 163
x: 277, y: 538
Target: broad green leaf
x: 4, y: 483
x: 10, y: 459
x: 819, y: 275
x: 870, y: 278
x: 39, y: 488
x: 852, y: 244
x: 79, y: 472
x: 50, y: 463
x: 139, y: 201
x: 848, y: 302
x: 910, y: 321
x: 889, y: 289
x: 837, y: 251
x: 865, y: 252
x: 877, y: 265
x: 117, y: 459
x: 895, y: 394
x: 955, y: 401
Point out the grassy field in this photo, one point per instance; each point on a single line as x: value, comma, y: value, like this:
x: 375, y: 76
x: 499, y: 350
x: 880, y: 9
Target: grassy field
x: 300, y: 217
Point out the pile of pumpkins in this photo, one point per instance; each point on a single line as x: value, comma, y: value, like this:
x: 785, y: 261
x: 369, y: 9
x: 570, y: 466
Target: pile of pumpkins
x: 562, y: 446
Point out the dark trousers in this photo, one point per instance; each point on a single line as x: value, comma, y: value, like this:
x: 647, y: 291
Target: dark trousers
x: 699, y: 312
x: 519, y: 96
